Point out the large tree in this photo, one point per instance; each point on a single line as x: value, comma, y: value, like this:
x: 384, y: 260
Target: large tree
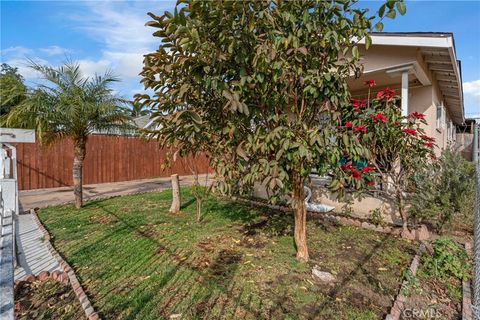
x: 12, y: 89
x: 262, y: 83
x: 70, y: 105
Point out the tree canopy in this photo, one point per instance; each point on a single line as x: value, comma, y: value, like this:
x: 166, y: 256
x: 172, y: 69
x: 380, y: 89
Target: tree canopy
x: 259, y: 86
x: 12, y: 88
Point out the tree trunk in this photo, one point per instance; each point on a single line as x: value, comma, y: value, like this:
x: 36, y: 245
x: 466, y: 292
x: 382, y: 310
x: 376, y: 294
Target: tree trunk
x: 300, y: 213
x: 79, y: 156
x: 199, y: 209
x: 401, y: 210
x: 175, y: 208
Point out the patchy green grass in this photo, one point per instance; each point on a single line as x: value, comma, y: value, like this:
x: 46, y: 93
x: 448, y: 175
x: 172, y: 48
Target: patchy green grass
x: 136, y: 261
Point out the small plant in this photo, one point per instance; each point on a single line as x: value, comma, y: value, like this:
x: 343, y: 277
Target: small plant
x: 376, y: 218
x: 411, y: 284
x: 347, y: 208
x: 448, y: 260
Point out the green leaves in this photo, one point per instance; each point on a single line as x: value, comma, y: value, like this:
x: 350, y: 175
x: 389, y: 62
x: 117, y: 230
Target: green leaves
x: 402, y: 9
x: 264, y: 83
x: 379, y: 26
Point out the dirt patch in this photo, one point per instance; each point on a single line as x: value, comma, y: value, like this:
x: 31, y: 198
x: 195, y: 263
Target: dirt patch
x: 430, y: 299
x: 225, y: 263
x: 46, y: 300
x: 103, y: 219
x: 253, y: 242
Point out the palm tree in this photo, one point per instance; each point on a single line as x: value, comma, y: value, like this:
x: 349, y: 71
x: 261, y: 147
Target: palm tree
x: 138, y: 109
x: 70, y: 106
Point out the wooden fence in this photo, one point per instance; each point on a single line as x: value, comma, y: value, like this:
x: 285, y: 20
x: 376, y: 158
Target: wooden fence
x: 108, y: 159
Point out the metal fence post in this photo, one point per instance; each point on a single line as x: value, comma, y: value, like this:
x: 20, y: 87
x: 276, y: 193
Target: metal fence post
x: 476, y: 236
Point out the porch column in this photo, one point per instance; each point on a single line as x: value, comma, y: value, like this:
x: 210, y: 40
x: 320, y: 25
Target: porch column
x: 405, y: 93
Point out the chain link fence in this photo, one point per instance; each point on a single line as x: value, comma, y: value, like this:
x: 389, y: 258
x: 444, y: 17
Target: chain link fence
x: 476, y: 280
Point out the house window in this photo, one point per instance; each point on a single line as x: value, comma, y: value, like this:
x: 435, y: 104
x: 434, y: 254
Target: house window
x: 440, y: 117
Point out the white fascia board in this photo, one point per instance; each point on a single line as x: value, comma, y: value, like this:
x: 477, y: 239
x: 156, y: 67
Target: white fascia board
x: 411, y: 41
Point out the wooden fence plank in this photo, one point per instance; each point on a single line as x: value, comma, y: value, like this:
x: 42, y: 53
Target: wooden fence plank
x: 108, y: 159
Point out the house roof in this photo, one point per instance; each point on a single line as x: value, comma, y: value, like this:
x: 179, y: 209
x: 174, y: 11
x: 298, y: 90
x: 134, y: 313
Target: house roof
x: 142, y: 121
x: 438, y: 51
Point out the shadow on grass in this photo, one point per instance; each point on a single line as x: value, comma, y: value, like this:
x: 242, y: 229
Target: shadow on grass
x: 185, y: 280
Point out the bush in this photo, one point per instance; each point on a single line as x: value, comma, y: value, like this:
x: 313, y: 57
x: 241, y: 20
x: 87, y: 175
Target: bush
x: 448, y: 260
x: 445, y: 193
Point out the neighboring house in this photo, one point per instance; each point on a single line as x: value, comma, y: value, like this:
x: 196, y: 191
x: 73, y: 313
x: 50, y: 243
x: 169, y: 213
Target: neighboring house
x: 423, y: 68
x: 468, y: 138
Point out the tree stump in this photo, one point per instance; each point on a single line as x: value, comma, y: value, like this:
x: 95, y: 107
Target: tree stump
x: 175, y: 208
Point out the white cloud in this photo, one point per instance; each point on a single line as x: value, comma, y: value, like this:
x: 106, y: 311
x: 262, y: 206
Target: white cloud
x: 472, y: 89
x: 23, y: 67
x: 16, y: 51
x: 117, y: 26
x: 55, y: 50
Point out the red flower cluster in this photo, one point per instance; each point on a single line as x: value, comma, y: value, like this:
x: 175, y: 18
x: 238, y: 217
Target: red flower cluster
x: 356, y: 174
x: 353, y: 171
x: 370, y: 83
x: 348, y: 124
x: 367, y: 169
x: 370, y: 183
x: 427, y: 138
x: 416, y: 115
x: 357, y: 104
x: 360, y: 128
x: 432, y: 156
x: 409, y: 131
x: 387, y: 94
x: 428, y: 144
x: 380, y: 117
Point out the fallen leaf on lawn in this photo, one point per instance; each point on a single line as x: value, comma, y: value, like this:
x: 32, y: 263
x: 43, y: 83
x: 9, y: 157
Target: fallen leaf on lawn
x: 247, y: 262
x: 382, y: 269
x: 304, y: 288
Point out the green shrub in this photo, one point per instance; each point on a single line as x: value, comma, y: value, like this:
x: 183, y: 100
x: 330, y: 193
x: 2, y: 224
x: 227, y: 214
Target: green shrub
x: 376, y: 218
x: 448, y: 260
x: 445, y: 193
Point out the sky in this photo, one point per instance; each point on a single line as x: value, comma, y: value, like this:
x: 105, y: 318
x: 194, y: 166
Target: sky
x: 110, y: 35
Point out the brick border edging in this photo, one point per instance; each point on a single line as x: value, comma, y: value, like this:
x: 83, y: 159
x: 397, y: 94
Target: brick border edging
x: 400, y: 300
x: 420, y: 233
x: 77, y: 288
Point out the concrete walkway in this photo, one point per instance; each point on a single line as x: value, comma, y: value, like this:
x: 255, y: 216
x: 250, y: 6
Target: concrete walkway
x: 41, y: 198
x: 33, y: 255
x: 32, y: 252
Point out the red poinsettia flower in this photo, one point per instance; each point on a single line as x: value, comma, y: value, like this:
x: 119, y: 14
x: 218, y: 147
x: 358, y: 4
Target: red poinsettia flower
x: 357, y: 104
x: 380, y: 117
x: 427, y: 138
x: 348, y: 124
x: 416, y: 115
x: 387, y: 94
x: 360, y: 128
x: 410, y: 131
x: 432, y: 156
x: 366, y: 169
x: 356, y: 175
x: 428, y: 144
x: 370, y: 83
x: 370, y: 183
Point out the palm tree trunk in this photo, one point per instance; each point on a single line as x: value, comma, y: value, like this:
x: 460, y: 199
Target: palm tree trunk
x: 78, y: 157
x: 300, y: 213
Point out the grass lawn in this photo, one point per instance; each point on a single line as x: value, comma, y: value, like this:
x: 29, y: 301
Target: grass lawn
x: 136, y: 261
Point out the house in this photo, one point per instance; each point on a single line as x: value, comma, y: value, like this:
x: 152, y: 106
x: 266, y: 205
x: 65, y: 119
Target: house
x: 424, y: 70
x: 468, y: 138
